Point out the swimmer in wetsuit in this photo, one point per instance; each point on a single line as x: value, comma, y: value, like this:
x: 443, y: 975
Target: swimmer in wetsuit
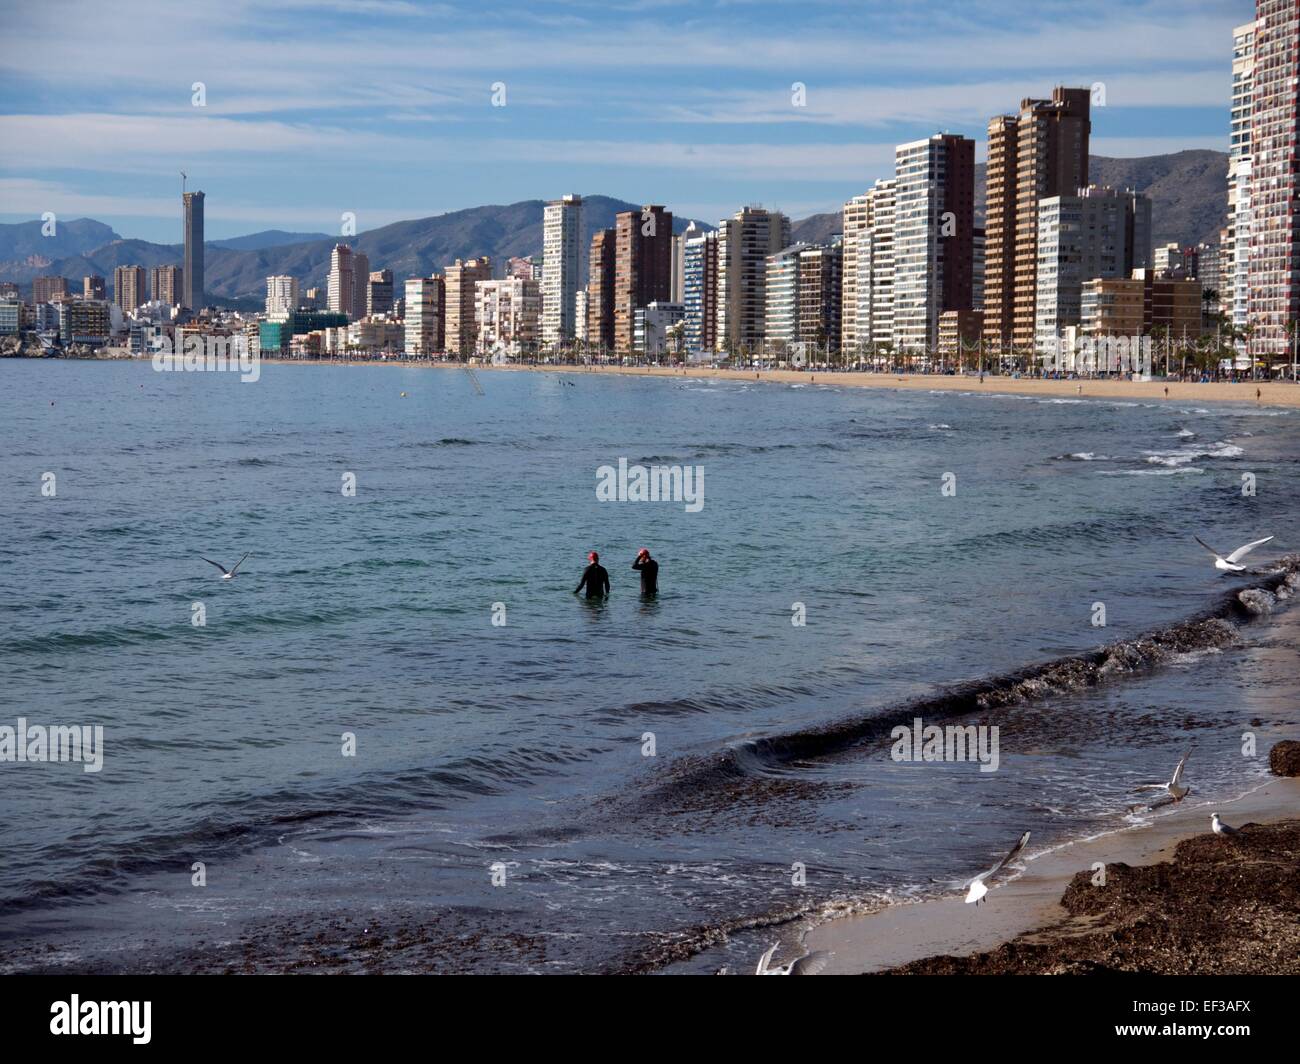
x: 594, y: 578
x: 649, y: 570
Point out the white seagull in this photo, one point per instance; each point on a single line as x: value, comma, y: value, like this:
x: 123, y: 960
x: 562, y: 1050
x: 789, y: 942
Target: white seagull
x: 808, y: 964
x: 1229, y: 564
x: 976, y: 889
x: 1220, y: 828
x: 1175, y: 788
x: 228, y: 574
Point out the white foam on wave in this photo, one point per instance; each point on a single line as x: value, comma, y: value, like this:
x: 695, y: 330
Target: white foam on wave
x: 1149, y: 472
x: 1185, y: 455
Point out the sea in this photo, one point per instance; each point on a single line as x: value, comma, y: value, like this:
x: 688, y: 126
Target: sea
x: 398, y: 741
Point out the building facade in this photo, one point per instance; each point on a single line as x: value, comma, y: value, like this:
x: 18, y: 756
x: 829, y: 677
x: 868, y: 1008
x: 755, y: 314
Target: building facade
x: 192, y: 296
x: 461, y: 280
x: 561, y: 247
x: 425, y: 300
x: 643, y: 248
x: 745, y: 240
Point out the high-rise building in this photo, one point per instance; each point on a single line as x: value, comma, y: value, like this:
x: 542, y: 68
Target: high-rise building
x: 643, y: 243
x: 700, y: 284
x: 677, y: 269
x: 853, y: 225
x: 425, y: 302
x: 874, y: 265
x: 379, y: 293
x: 507, y: 316
x: 192, y: 274
x: 461, y: 277
x: 129, y: 289
x: 1235, y: 259
x: 580, y: 314
x: 1273, y: 271
x: 523, y: 268
x: 781, y: 295
x: 820, y: 286
x: 361, y: 283
x: 281, y: 297
x: 49, y: 289
x: 1100, y: 233
x: 745, y: 240
x: 600, y: 289
x: 1041, y: 152
x: 165, y: 285
x: 92, y: 287
x: 934, y: 236
x: 342, y: 280
x: 561, y: 248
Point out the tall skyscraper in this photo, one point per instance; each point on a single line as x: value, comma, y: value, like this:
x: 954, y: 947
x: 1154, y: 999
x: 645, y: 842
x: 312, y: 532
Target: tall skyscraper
x: 461, y: 279
x: 643, y: 248
x: 281, y: 297
x: 1273, y: 271
x: 874, y: 264
x: 192, y: 275
x: 934, y: 236
x: 700, y: 283
x: 745, y: 240
x: 853, y: 223
x: 1235, y: 259
x: 600, y: 290
x: 561, y: 247
x: 781, y: 297
x: 1041, y: 152
x: 361, y: 283
x: 379, y: 293
x: 425, y: 301
x: 165, y: 285
x: 342, y: 282
x: 820, y: 286
x: 129, y: 287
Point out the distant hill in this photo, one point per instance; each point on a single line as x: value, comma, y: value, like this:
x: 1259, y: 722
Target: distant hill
x: 410, y: 249
x: 268, y: 238
x: 1188, y: 190
x: 24, y: 246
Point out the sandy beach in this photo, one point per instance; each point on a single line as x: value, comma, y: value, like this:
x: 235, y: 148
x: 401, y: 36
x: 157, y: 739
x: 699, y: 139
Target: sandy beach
x: 1051, y: 919
x: 1274, y: 393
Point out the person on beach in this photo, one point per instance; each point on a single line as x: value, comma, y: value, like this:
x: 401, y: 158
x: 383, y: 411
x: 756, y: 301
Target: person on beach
x: 649, y: 570
x: 594, y: 578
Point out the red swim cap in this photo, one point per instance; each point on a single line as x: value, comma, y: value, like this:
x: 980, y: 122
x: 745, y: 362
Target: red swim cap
x: 643, y: 551
x: 593, y: 557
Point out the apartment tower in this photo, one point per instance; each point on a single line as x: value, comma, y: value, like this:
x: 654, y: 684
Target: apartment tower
x: 643, y: 250
x: 192, y: 275
x: 600, y: 290
x: 561, y: 248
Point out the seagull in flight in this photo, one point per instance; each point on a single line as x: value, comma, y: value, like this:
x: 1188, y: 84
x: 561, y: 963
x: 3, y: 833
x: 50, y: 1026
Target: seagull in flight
x: 1229, y: 564
x: 808, y: 964
x: 976, y: 888
x: 1175, y: 788
x: 1220, y: 828
x: 228, y: 574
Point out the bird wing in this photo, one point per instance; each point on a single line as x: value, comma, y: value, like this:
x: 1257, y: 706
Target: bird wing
x: 211, y: 562
x: 1206, y: 546
x: 812, y: 964
x: 1178, y: 772
x: 239, y: 563
x: 765, y: 960
x: 1012, y: 854
x: 1241, y: 552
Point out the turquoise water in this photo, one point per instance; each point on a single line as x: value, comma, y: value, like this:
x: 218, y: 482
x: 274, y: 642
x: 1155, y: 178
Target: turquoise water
x: 523, y: 745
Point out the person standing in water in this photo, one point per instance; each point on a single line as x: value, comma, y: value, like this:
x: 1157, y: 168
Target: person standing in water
x: 649, y: 570
x: 594, y: 578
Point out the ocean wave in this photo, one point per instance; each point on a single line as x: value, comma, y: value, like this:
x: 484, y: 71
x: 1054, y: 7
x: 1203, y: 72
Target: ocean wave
x: 1214, y: 628
x: 1186, y: 455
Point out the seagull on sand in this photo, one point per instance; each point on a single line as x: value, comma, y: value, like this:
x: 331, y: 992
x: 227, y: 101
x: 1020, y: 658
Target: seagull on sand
x: 1229, y: 564
x: 228, y: 574
x: 808, y: 964
x: 976, y: 888
x: 1220, y: 828
x: 1175, y: 788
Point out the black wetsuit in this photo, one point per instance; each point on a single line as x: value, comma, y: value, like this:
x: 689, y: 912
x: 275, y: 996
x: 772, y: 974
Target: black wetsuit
x: 649, y: 570
x: 595, y: 579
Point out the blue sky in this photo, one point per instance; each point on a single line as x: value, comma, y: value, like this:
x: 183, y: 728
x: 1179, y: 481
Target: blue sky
x: 385, y: 108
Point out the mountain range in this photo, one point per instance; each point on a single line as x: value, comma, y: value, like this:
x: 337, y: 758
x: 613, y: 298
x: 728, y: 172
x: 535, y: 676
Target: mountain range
x: 1188, y: 191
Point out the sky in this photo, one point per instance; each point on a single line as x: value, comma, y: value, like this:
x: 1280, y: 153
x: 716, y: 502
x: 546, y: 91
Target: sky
x: 385, y: 108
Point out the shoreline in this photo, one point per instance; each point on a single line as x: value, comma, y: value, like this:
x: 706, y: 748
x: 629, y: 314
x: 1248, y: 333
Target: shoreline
x: 1050, y: 919
x: 1272, y: 393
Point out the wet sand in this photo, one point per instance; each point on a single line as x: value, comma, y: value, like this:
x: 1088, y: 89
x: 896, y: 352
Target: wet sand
x: 1177, y: 899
